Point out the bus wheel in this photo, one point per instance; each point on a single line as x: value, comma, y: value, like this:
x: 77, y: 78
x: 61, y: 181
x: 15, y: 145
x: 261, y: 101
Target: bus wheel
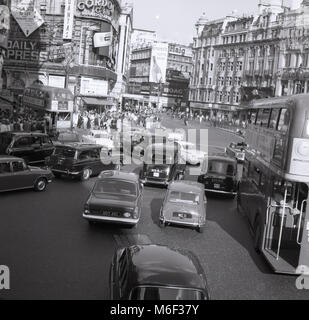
x: 257, y: 236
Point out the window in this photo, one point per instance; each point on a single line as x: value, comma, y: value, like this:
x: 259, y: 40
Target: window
x: 18, y: 166
x: 274, y: 118
x: 23, y: 142
x: 284, y: 120
x: 5, y: 168
x: 263, y: 118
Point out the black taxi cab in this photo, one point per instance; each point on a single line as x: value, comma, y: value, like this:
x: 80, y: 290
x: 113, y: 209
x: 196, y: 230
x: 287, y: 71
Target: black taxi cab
x: 152, y: 272
x: 80, y: 161
x: 219, y: 174
x: 162, y: 164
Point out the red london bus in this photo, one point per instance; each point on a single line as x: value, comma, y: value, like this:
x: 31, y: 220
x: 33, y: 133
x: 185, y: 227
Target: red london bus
x: 273, y: 191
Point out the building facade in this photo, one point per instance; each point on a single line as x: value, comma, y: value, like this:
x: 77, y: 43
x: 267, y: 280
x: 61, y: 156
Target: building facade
x: 75, y: 44
x: 178, y: 67
x: 237, y: 59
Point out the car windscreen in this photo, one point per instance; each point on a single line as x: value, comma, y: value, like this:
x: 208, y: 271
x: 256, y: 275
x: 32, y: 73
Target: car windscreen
x: 65, y: 152
x: 183, y: 197
x: 119, y: 187
x: 165, y: 293
x: 221, y: 167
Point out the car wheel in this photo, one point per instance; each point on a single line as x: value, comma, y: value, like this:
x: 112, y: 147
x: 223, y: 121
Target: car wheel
x: 40, y: 185
x: 162, y: 224
x: 85, y: 175
x: 200, y: 229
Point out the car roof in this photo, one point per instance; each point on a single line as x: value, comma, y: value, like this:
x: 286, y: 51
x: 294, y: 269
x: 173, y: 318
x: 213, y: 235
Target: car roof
x: 80, y: 146
x: 120, y: 175
x: 221, y: 157
x: 9, y: 158
x: 163, y: 266
x: 186, y: 186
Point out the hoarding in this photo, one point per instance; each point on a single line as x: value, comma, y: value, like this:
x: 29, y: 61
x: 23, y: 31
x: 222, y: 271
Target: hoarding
x: 68, y: 19
x: 4, y: 26
x: 158, y: 64
x: 26, y: 15
x: 94, y: 87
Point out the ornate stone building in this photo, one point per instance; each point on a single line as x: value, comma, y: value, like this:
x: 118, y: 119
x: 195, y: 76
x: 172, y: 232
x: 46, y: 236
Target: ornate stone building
x: 239, y: 58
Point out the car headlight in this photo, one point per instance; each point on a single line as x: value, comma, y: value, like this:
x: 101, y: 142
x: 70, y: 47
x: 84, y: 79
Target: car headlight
x: 86, y: 209
x: 127, y: 215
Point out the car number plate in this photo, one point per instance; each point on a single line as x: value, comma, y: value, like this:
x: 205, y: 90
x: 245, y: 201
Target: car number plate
x: 156, y: 174
x: 217, y: 186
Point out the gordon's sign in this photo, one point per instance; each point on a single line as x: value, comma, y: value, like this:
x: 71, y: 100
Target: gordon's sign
x: 100, y: 9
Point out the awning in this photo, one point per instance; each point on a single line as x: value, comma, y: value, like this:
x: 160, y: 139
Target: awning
x: 98, y: 102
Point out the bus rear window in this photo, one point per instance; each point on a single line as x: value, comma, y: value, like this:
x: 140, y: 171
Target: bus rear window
x: 284, y: 120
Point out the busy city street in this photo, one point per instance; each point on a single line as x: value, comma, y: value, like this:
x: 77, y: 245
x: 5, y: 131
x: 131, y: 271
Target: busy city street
x: 154, y: 150
x: 55, y: 254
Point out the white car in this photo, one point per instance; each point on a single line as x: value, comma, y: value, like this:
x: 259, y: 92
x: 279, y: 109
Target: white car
x: 99, y: 137
x: 190, y: 154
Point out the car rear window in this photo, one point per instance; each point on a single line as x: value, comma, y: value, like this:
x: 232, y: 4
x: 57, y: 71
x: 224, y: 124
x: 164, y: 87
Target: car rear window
x: 124, y: 188
x: 65, y: 152
x: 221, y: 167
x: 184, y: 197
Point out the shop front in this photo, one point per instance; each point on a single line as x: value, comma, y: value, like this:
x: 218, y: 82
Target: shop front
x: 57, y: 103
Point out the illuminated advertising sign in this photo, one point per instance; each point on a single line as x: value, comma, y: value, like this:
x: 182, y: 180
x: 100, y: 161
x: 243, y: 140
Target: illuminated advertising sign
x: 94, y: 87
x: 4, y: 26
x: 180, y: 50
x: 26, y: 15
x: 98, y: 9
x: 158, y: 64
x: 68, y: 19
x: 25, y: 50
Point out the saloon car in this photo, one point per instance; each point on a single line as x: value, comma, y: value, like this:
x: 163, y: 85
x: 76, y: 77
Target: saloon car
x: 32, y: 147
x: 15, y: 174
x: 161, y: 165
x: 99, y: 137
x: 219, y: 175
x: 185, y: 205
x: 152, y: 272
x: 79, y: 160
x: 115, y: 198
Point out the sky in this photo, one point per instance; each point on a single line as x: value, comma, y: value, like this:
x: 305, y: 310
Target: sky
x: 175, y: 19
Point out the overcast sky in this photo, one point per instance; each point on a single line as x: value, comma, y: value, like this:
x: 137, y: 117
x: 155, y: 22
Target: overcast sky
x: 175, y: 19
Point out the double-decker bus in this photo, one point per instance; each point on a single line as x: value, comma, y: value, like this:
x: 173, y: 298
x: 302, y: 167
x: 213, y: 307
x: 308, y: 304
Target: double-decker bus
x: 273, y: 191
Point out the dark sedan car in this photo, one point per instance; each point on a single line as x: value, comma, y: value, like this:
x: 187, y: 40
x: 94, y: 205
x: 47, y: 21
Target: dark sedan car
x: 162, y: 164
x: 32, y: 147
x: 154, y: 272
x: 80, y: 161
x: 219, y: 175
x: 15, y: 174
x: 116, y: 197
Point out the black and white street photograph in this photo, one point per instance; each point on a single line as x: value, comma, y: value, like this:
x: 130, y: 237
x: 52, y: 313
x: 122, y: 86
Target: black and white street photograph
x: 154, y: 150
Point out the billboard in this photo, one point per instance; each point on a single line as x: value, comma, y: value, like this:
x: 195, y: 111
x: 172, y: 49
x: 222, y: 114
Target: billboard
x: 68, y: 19
x: 4, y: 26
x: 158, y: 64
x: 26, y: 15
x: 94, y: 87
